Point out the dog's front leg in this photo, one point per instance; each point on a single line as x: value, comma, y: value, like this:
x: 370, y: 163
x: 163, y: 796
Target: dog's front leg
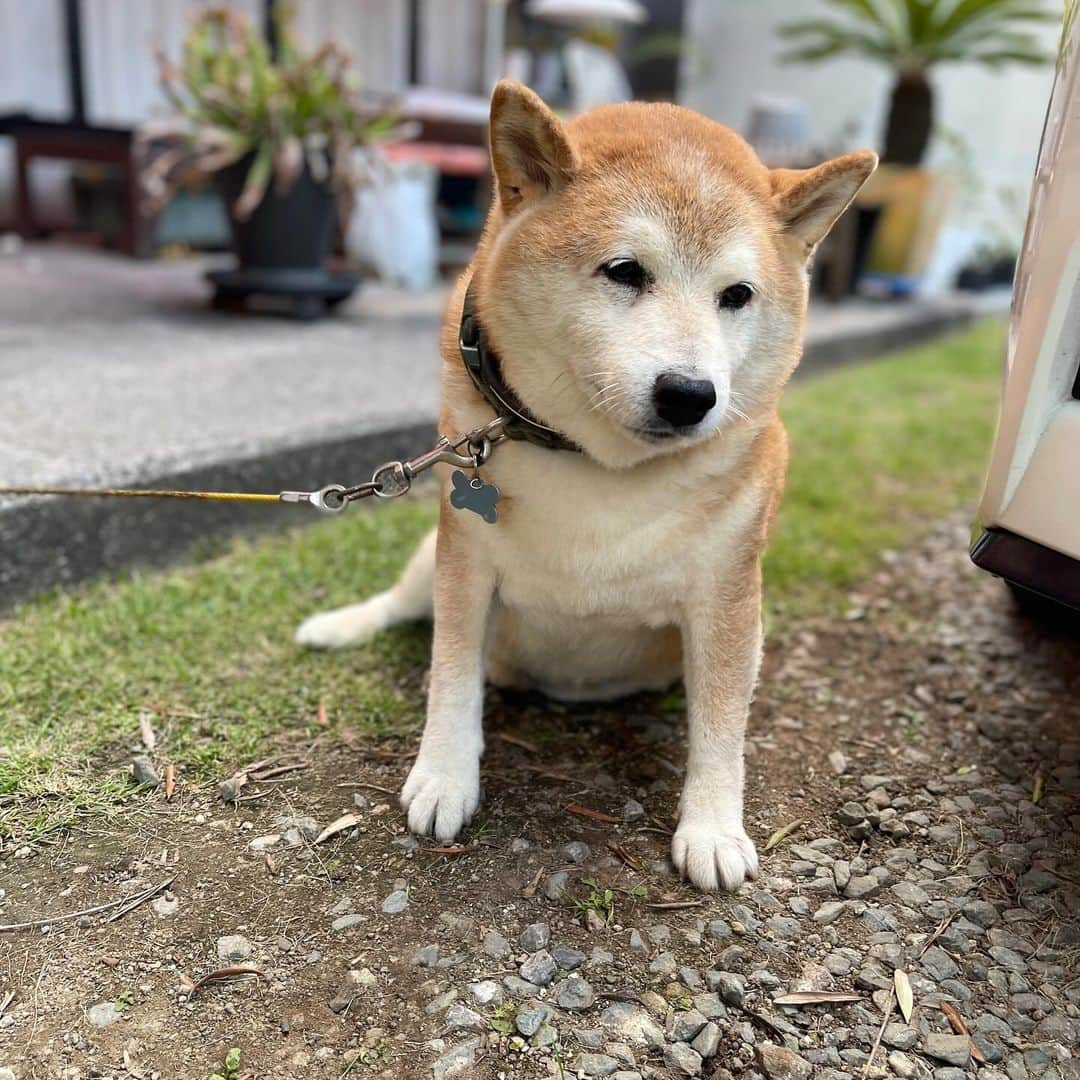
x: 443, y: 788
x: 722, y: 653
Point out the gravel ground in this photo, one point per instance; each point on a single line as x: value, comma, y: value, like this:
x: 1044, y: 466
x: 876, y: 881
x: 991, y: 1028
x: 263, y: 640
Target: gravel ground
x: 915, y: 766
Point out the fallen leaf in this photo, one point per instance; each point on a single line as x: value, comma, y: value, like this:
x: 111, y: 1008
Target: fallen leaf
x: 530, y: 890
x: 781, y: 835
x: 148, y: 737
x: 588, y: 812
x: 956, y: 1022
x: 170, y: 782
x: 516, y: 740
x: 1037, y: 789
x: 109, y: 961
x: 904, y: 997
x: 816, y: 997
x: 321, y: 717
x: 625, y: 855
x: 225, y: 975
x: 346, y: 821
x: 445, y: 849
x: 266, y: 774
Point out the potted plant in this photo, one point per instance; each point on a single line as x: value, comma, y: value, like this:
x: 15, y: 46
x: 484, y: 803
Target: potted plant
x: 278, y: 133
x: 912, y: 36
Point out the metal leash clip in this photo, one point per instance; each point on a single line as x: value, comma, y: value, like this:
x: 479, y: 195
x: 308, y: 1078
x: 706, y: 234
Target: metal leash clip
x: 394, y: 479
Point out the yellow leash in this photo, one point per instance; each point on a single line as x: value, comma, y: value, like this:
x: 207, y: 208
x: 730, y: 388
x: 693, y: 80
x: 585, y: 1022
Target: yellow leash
x: 142, y: 493
x: 389, y: 481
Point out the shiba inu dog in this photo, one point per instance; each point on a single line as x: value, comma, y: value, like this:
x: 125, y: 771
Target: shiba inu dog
x: 638, y: 297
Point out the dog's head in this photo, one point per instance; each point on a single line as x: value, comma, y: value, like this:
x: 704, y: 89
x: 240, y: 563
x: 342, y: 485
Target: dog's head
x: 644, y: 276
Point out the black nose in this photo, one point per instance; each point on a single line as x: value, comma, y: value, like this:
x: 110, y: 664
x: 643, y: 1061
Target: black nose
x: 683, y: 402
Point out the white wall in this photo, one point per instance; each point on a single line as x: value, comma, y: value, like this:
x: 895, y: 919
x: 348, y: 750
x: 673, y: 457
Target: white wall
x: 999, y: 115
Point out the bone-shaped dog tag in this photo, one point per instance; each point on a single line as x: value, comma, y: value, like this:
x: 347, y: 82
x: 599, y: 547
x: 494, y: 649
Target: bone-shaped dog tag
x: 471, y: 493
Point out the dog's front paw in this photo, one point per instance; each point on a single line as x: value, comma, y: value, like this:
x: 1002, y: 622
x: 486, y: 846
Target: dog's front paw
x: 713, y: 857
x: 440, y: 801
x: 352, y: 625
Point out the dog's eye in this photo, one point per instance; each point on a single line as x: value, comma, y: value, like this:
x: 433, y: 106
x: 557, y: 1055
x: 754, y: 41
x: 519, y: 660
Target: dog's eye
x: 628, y: 272
x: 735, y: 296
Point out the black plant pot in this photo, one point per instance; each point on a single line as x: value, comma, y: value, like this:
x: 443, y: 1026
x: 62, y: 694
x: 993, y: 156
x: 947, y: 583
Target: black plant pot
x: 282, y: 247
x: 293, y: 230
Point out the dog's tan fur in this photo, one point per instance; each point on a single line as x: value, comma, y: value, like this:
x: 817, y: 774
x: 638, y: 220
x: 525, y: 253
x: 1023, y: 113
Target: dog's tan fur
x: 637, y: 561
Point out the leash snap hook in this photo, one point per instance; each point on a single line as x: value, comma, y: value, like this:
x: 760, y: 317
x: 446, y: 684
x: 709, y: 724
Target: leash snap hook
x: 327, y: 500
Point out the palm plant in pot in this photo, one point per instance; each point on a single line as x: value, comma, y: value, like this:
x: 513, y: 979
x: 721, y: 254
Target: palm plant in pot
x: 278, y: 134
x: 913, y: 36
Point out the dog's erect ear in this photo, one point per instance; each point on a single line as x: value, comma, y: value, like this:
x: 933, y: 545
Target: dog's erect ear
x: 530, y: 153
x: 809, y: 201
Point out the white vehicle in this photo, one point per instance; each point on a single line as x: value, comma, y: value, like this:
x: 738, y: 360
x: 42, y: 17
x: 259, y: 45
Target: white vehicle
x: 1030, y: 509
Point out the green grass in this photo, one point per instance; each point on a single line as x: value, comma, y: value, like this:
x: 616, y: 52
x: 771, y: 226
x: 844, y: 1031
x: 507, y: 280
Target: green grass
x: 878, y: 452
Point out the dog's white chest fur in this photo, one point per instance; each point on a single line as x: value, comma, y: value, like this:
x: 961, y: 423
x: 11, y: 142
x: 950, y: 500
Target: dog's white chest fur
x: 593, y: 569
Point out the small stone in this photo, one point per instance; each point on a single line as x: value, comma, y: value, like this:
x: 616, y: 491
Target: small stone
x: 784, y: 927
x: 903, y: 1066
x: 143, y: 771
x: 780, y: 1063
x: 938, y: 964
x: 981, y: 913
x: 495, y: 945
x: 687, y: 1025
x: 590, y: 1038
x: 952, y: 1049
x: 234, y: 947
x: 682, y: 1059
x: 165, y: 906
x: 862, y: 887
x: 909, y: 893
x: 518, y: 987
x: 486, y: 992
x: 664, y: 965
x: 829, y: 912
x: 457, y: 1061
x: 396, y: 902
x: 899, y: 1036
x: 556, y: 885
x: 637, y: 943
x: 838, y: 763
x: 1038, y: 881
x: 594, y: 1065
x: 632, y: 810
x: 546, y: 1035
x: 304, y: 824
x: 539, y: 969
x: 229, y: 790
x: 576, y: 851
x: 462, y: 1018
x: 354, y: 984
x: 103, y: 1014
x: 427, y: 956
x: 574, y: 993
x: 535, y: 937
x: 707, y: 1041
x: 530, y: 1017
x: 440, y: 1002
x: 731, y: 987
x: 633, y: 1023
x: 568, y: 958
x: 344, y: 922
x: 519, y: 845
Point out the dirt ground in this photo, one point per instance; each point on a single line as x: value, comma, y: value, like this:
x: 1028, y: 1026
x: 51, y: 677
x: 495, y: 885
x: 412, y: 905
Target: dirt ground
x: 943, y: 830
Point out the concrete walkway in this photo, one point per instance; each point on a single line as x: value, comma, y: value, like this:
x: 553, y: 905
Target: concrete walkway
x: 113, y: 371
